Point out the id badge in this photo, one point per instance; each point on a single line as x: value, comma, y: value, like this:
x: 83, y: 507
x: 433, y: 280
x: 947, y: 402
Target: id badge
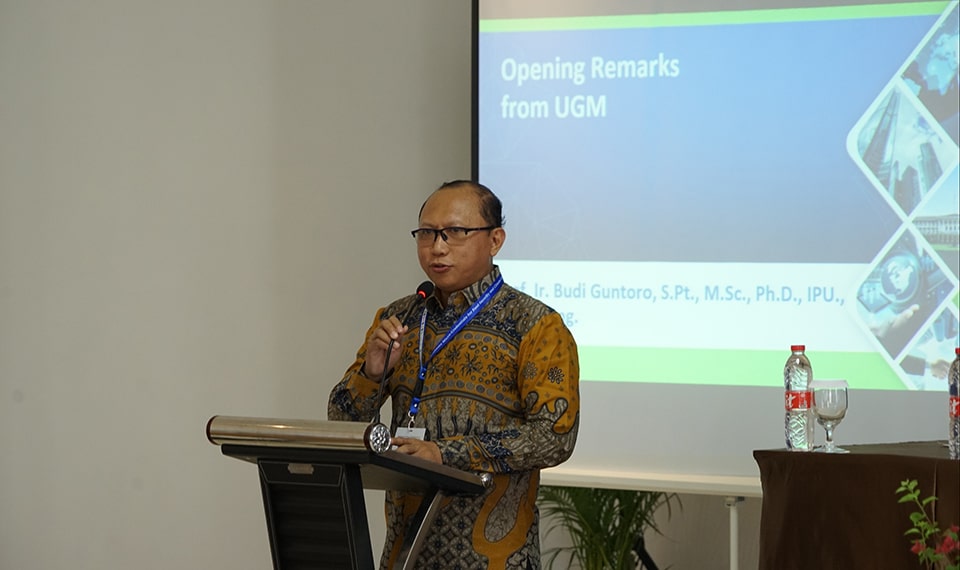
x: 413, y: 433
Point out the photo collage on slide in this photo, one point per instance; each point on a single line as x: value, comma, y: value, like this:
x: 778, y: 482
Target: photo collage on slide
x: 908, y: 145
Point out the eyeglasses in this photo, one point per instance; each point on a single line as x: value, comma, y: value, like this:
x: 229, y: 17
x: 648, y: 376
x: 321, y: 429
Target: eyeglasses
x: 453, y: 236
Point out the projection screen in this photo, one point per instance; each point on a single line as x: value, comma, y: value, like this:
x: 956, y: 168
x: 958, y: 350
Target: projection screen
x: 696, y: 186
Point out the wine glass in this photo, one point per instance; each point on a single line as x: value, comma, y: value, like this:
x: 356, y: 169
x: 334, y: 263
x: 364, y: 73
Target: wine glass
x: 830, y: 405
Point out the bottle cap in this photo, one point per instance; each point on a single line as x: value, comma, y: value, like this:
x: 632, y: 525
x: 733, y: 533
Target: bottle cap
x: 796, y: 347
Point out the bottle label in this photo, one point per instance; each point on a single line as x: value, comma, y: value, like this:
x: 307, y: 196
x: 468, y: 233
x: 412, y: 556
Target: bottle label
x: 798, y: 399
x: 955, y: 406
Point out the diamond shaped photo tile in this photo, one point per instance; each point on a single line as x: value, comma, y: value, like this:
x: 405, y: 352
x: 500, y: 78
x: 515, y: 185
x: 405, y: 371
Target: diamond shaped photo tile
x: 926, y: 363
x: 901, y: 292
x: 938, y: 222
x: 933, y: 78
x: 899, y: 150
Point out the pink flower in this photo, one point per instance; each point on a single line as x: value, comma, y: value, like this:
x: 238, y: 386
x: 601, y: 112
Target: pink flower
x: 948, y: 545
x: 936, y: 548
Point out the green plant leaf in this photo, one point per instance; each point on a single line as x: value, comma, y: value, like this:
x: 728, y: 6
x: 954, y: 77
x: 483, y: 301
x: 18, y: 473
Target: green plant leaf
x: 603, y: 524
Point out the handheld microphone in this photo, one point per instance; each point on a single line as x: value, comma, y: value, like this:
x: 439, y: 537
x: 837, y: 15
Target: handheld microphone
x: 423, y: 291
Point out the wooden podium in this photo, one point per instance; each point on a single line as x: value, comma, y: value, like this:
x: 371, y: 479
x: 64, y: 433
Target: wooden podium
x: 312, y: 477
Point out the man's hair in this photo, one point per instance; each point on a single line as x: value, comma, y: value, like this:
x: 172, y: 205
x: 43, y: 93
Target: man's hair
x: 491, y: 209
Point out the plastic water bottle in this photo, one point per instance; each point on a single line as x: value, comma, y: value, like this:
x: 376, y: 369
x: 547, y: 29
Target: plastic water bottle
x: 953, y: 378
x: 798, y: 400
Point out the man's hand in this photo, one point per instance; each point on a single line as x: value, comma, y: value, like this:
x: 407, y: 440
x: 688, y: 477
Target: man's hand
x: 939, y: 368
x: 424, y: 449
x: 886, y: 324
x: 376, y: 359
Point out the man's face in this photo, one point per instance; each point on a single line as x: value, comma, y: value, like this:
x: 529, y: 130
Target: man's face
x: 453, y: 266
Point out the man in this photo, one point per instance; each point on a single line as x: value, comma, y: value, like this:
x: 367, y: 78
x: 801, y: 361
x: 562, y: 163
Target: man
x: 499, y: 392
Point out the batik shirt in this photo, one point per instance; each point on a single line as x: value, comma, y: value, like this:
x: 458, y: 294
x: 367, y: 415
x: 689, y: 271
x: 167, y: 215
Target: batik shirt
x: 502, y: 398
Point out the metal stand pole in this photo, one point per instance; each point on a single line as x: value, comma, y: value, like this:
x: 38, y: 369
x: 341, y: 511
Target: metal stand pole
x: 732, y: 503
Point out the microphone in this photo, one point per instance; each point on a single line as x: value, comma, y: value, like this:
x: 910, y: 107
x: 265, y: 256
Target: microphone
x: 423, y: 291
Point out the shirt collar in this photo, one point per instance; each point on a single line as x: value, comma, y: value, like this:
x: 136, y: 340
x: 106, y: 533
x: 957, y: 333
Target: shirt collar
x: 471, y: 293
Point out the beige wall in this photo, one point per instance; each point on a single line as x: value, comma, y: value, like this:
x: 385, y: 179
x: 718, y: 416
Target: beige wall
x: 200, y: 208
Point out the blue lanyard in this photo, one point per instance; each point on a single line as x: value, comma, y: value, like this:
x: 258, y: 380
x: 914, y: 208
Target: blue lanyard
x: 465, y: 318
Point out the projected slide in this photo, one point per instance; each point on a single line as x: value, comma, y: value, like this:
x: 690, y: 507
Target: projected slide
x: 697, y: 190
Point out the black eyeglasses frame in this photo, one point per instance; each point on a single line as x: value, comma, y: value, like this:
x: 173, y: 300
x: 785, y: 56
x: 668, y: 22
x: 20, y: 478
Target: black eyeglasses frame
x: 442, y: 232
